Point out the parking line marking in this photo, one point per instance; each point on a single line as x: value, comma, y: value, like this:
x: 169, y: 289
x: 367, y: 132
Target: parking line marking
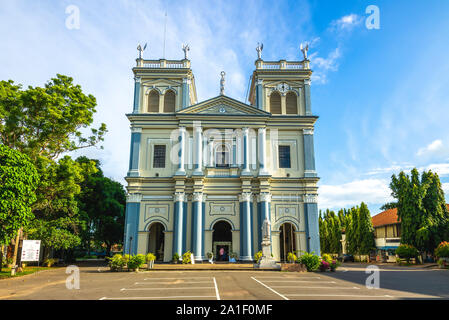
x: 302, y: 277
x: 284, y: 297
x: 158, y: 298
x: 336, y: 295
x: 171, y: 282
x: 141, y: 289
x: 177, y: 278
x: 216, y: 289
x: 300, y: 281
x: 301, y: 287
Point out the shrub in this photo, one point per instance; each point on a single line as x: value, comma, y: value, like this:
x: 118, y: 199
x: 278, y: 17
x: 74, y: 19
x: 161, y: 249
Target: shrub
x: 334, y: 265
x: 407, y: 252
x: 257, y: 256
x: 135, y: 262
x: 49, y: 262
x: 324, y: 265
x: 175, y: 257
x: 150, y: 257
x: 442, y: 251
x: 126, y: 258
x: 310, y: 260
x: 186, y: 258
x: 209, y: 255
x: 327, y: 257
x: 291, y: 257
x: 117, y: 262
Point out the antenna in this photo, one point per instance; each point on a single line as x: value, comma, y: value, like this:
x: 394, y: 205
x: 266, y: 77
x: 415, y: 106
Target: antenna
x: 165, y: 29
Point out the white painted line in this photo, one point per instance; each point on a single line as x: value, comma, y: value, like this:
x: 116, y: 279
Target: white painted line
x: 158, y: 298
x: 299, y: 281
x: 177, y: 278
x: 284, y: 297
x: 289, y: 278
x: 337, y: 295
x: 171, y: 282
x: 141, y: 289
x: 216, y: 289
x: 301, y: 287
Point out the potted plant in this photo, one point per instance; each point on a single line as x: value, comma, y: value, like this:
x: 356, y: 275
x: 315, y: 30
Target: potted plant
x: 324, y: 265
x: 175, y: 257
x: 291, y: 257
x: 150, y: 260
x: 233, y: 257
x: 135, y: 262
x: 116, y: 263
x: 186, y: 258
x: 257, y: 256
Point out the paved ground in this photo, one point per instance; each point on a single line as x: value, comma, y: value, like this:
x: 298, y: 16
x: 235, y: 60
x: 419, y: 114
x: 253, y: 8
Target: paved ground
x: 347, y: 283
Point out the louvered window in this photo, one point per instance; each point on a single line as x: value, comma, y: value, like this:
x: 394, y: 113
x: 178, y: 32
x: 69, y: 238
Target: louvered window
x: 275, y: 103
x: 153, y: 101
x: 292, y: 107
x: 169, y: 101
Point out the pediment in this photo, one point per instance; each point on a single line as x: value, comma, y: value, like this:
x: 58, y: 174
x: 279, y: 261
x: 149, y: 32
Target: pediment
x: 223, y: 105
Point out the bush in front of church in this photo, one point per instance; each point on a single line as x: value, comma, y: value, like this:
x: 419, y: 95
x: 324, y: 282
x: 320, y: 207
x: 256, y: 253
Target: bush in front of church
x: 310, y: 260
x: 186, y: 258
x: 257, y: 256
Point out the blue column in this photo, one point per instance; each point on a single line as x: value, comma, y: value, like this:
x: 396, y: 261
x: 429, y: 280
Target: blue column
x: 264, y: 212
x: 246, y: 170
x: 181, y: 152
x: 185, y: 93
x: 246, y: 227
x: 136, y: 134
x: 307, y: 99
x: 179, y: 217
x: 136, y: 107
x: 259, y: 94
x: 311, y: 222
x: 132, y: 223
x: 309, y: 154
x: 198, y: 226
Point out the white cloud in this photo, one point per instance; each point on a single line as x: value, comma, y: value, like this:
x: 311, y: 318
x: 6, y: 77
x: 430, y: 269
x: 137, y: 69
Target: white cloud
x: 432, y: 147
x: 346, y: 23
x: 441, y: 168
x: 370, y: 191
x: 323, y: 65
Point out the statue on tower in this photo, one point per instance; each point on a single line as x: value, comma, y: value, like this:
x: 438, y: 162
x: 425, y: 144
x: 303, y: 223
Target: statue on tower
x: 259, y: 49
x: 222, y: 82
x: 186, y: 49
x: 141, y: 50
x: 304, y: 50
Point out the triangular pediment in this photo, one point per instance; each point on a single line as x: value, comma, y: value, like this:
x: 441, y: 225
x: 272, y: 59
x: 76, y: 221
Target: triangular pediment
x: 223, y: 105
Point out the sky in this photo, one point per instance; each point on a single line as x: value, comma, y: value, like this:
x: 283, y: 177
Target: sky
x: 381, y: 94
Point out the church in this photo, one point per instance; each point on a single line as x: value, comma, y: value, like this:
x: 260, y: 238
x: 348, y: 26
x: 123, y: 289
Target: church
x: 204, y: 175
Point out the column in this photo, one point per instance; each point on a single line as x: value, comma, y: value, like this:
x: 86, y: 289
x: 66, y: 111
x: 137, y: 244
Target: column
x: 181, y: 152
x: 246, y: 170
x: 132, y: 223
x: 264, y: 200
x: 245, y: 227
x: 262, y: 140
x: 136, y: 134
x: 136, y: 107
x: 185, y: 93
x: 311, y: 222
x: 308, y: 103
x: 259, y: 94
x: 234, y: 152
x: 198, y: 149
x: 198, y: 226
x: 309, y: 154
x: 179, y: 223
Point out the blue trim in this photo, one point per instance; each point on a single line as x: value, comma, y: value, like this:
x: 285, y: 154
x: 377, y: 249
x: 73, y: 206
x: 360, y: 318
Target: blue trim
x: 312, y: 229
x: 203, y: 206
x: 148, y: 224
x: 259, y: 97
x: 185, y: 95
x: 309, y: 155
x: 307, y: 99
x: 241, y: 227
x: 131, y: 218
x: 136, y: 97
x: 134, y: 153
x: 260, y: 214
x: 179, y: 218
x: 247, y: 243
x: 221, y: 219
x: 184, y: 227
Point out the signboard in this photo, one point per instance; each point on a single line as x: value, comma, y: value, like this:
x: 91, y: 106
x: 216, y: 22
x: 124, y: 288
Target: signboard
x: 30, y: 250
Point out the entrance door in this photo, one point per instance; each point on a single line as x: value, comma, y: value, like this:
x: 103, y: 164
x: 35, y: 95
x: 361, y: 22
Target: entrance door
x: 287, y: 240
x: 156, y: 241
x: 222, y: 241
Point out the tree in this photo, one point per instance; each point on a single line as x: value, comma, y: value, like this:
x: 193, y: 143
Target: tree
x: 18, y: 182
x: 365, y: 230
x: 351, y: 230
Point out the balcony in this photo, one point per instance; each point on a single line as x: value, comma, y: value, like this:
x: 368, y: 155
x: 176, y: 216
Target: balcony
x: 222, y: 172
x: 164, y: 64
x: 282, y: 65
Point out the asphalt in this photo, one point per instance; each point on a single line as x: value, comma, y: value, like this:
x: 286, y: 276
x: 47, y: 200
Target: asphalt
x: 348, y: 283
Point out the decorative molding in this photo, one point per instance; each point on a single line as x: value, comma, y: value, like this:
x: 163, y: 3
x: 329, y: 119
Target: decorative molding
x: 153, y: 211
x: 259, y: 81
x: 245, y: 197
x: 136, y: 129
x: 180, y: 196
x: 134, y: 197
x: 307, y: 131
x: 264, y: 197
x: 186, y: 80
x: 198, y: 196
x: 157, y: 197
x: 310, y: 198
x: 137, y: 79
x: 219, y: 197
x: 222, y: 208
x: 307, y: 82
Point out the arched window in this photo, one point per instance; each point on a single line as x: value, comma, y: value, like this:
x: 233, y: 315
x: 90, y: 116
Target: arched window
x: 169, y: 101
x: 291, y: 103
x: 275, y: 103
x: 153, y: 101
x: 222, y: 156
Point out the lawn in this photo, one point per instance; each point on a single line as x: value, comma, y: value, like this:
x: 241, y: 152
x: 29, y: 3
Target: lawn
x: 6, y: 272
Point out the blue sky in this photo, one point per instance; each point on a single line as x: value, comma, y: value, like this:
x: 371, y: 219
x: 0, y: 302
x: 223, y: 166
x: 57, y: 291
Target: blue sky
x: 382, y: 95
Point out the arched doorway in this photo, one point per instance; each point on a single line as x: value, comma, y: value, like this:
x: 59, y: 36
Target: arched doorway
x: 287, y: 240
x: 222, y: 240
x: 156, y: 240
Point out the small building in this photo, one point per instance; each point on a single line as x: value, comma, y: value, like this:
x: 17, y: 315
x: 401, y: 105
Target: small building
x: 387, y: 233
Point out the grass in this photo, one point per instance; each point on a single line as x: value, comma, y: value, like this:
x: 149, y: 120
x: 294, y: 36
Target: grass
x: 6, y: 272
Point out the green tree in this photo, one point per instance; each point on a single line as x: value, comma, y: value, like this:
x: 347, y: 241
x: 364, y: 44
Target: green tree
x: 365, y: 231
x: 18, y: 182
x: 351, y: 230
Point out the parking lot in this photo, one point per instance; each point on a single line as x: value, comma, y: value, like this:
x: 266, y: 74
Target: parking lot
x: 348, y: 283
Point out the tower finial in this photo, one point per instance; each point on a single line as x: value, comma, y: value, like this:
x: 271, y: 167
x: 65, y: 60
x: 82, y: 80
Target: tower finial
x: 304, y: 50
x: 259, y: 49
x: 186, y: 49
x: 222, y: 82
x: 141, y: 50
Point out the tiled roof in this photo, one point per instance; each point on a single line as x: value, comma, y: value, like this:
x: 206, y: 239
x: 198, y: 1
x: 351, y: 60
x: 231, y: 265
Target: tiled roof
x: 387, y: 217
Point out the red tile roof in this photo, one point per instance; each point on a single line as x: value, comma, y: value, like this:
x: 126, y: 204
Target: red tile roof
x: 387, y: 217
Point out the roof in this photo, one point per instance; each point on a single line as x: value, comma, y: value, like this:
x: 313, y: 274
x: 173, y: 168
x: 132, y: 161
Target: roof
x: 388, y: 217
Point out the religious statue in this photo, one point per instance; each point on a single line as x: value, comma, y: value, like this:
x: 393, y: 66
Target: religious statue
x: 186, y: 49
x: 222, y: 82
x: 266, y: 230
x: 266, y: 261
x: 304, y: 50
x: 259, y: 49
x: 141, y: 50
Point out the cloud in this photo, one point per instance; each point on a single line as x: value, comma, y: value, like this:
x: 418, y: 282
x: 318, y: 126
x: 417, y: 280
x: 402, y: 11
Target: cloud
x: 345, y: 23
x: 441, y: 168
x: 370, y: 191
x: 323, y: 65
x: 432, y: 147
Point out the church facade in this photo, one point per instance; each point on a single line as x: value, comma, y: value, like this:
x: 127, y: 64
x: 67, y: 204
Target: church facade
x: 204, y: 176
